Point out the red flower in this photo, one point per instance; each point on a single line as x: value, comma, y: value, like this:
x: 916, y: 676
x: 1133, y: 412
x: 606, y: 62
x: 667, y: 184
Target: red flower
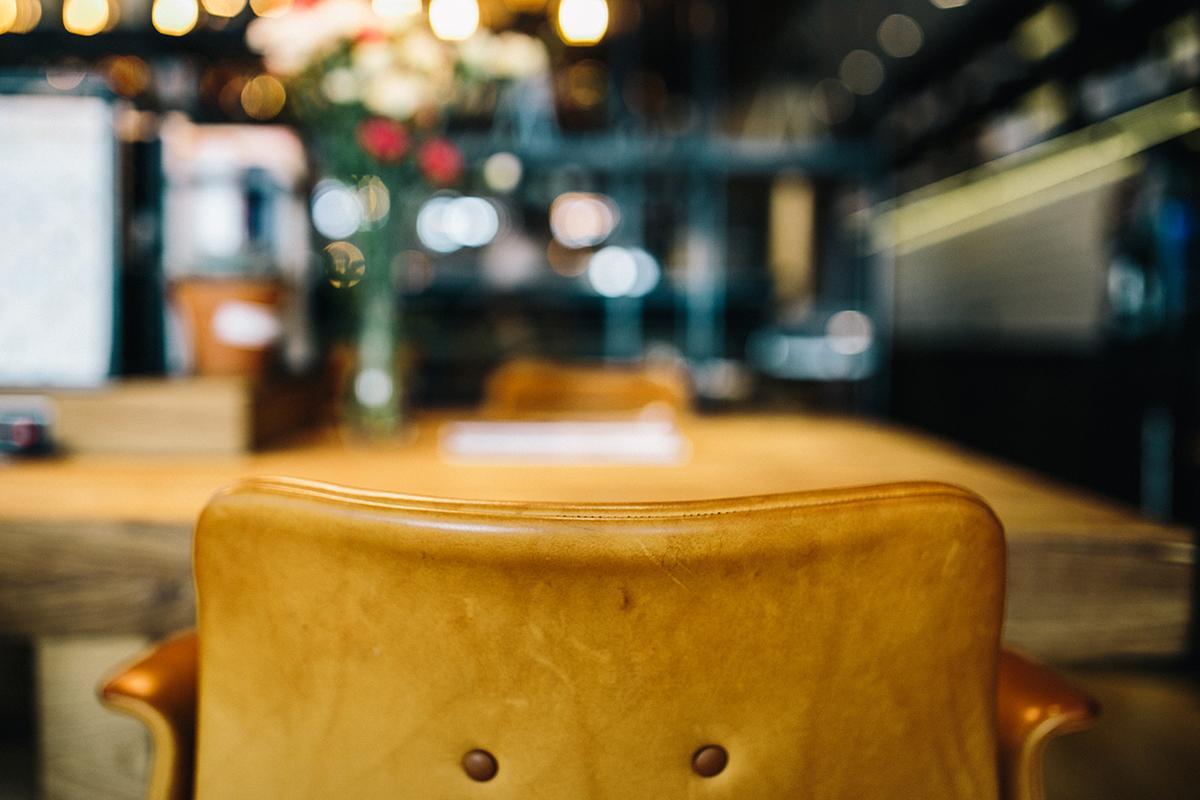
x: 383, y: 139
x: 370, y: 35
x: 441, y: 162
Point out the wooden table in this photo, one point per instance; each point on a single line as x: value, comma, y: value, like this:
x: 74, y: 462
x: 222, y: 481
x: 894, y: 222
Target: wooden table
x: 95, y: 549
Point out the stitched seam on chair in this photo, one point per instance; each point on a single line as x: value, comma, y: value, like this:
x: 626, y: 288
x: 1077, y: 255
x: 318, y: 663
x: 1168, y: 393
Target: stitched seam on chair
x: 484, y: 509
x: 745, y: 510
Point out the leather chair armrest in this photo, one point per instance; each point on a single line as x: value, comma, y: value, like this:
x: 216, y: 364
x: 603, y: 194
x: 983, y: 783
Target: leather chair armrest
x: 1033, y: 705
x: 159, y: 688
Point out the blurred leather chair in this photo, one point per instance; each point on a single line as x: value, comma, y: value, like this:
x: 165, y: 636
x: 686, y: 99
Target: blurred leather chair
x: 835, y: 644
x: 528, y: 387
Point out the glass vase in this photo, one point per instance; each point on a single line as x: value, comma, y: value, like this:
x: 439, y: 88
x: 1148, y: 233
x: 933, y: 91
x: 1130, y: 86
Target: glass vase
x: 375, y: 399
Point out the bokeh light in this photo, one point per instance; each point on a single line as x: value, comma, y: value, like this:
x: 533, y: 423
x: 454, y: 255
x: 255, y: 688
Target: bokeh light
x: 224, y: 8
x: 471, y: 221
x: 345, y: 265
x: 900, y: 36
x: 263, y: 97
x: 396, y: 9
x: 447, y: 223
x: 581, y: 219
x: 511, y: 261
x: 373, y: 387
x: 582, y: 22
x: 114, y: 15
x: 648, y: 275
x: 8, y: 15
x: 174, y: 17
x: 270, y: 8
x: 66, y: 77
x: 374, y: 199
x: 622, y: 272
x: 128, y: 76
x: 502, y: 172
x: 229, y: 98
x: 454, y: 20
x: 849, y: 332
x: 336, y: 210
x: 431, y: 229
x: 19, y: 16
x: 612, y: 272
x: 85, y: 17
x: 831, y: 102
x: 861, y: 71
x: 29, y: 14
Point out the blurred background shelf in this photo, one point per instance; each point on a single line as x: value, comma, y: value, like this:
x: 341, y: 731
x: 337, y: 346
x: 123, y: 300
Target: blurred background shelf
x: 182, y: 416
x: 760, y: 158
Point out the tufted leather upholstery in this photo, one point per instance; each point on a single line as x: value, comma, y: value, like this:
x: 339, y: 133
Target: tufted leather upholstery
x: 528, y: 387
x: 836, y: 644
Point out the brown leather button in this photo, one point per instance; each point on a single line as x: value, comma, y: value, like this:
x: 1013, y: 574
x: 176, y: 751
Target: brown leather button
x: 709, y: 760
x: 480, y: 765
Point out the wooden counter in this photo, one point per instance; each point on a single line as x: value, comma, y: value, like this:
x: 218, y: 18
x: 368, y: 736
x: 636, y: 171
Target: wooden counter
x: 100, y: 544
x: 95, y: 550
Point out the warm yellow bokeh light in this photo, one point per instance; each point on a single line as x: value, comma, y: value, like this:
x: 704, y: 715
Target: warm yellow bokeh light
x: 85, y: 17
x: 224, y: 8
x: 582, y: 22
x: 454, y: 20
x: 29, y: 14
x: 270, y: 8
x: 128, y: 76
x: 174, y: 17
x: 396, y: 9
x: 114, y: 15
x: 8, y: 15
x: 263, y: 97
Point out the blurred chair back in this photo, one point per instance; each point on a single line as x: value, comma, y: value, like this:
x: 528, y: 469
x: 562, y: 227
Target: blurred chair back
x: 837, y: 644
x: 527, y: 387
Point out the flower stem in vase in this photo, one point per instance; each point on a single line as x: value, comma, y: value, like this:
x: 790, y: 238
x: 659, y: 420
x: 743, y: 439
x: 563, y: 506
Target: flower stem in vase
x: 378, y: 389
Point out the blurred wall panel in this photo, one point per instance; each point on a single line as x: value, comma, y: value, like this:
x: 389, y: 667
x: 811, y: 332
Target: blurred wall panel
x: 86, y: 751
x: 790, y: 239
x: 1035, y: 277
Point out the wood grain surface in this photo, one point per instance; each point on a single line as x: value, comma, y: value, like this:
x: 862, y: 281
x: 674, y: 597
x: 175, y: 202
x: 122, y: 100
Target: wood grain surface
x: 85, y: 751
x: 101, y: 544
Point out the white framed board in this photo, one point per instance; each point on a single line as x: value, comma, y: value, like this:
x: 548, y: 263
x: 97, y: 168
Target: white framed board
x: 58, y: 240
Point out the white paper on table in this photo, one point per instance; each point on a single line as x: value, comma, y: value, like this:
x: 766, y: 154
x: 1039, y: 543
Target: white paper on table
x: 57, y: 240
x: 562, y: 442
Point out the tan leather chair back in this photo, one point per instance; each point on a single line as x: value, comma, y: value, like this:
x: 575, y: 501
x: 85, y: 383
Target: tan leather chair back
x: 836, y: 644
x: 529, y: 387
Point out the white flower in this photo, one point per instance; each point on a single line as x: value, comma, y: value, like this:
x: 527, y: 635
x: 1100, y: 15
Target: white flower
x: 397, y: 15
x: 478, y: 53
x: 508, y: 55
x: 395, y: 94
x: 371, y: 57
x: 293, y: 40
x: 421, y: 51
x: 340, y: 86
